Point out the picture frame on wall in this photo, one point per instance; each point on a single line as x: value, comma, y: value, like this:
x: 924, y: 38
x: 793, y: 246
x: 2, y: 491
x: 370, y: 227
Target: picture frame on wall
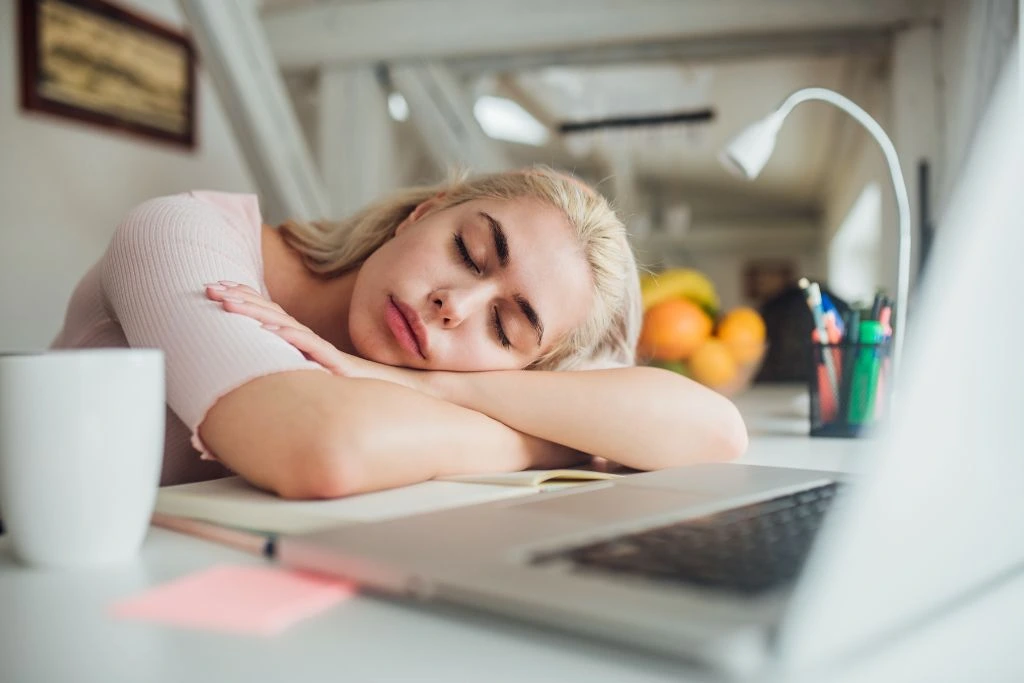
x: 95, y: 62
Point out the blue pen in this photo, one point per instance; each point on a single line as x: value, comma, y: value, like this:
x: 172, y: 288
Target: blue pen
x: 813, y: 294
x: 828, y: 307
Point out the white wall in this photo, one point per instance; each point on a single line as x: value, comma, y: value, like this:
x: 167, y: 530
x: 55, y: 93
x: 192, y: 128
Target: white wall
x: 64, y: 186
x: 859, y: 161
x: 976, y: 39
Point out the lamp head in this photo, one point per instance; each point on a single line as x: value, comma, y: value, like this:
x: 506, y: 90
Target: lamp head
x: 749, y: 151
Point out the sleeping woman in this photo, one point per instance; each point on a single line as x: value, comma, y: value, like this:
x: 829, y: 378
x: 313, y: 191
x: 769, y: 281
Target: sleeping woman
x: 486, y: 324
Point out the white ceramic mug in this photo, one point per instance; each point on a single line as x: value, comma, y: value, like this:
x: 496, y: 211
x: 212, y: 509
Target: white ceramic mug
x: 81, y: 445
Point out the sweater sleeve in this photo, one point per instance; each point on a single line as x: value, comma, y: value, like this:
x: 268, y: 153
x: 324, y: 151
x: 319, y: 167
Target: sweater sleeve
x: 153, y: 276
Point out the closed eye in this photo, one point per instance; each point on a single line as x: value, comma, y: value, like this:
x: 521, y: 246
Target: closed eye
x: 460, y: 247
x: 500, y: 330
x: 463, y: 252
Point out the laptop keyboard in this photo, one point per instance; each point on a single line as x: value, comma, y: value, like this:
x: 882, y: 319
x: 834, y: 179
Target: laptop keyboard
x: 749, y: 549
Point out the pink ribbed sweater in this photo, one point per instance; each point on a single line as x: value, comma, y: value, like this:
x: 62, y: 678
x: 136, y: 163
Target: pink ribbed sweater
x: 147, y: 291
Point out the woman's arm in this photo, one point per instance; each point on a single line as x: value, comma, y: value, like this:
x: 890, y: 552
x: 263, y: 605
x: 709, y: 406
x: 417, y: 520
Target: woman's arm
x: 646, y: 418
x: 313, y: 435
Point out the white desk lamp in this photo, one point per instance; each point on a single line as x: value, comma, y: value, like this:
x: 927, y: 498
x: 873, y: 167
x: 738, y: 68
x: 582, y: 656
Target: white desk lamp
x: 748, y: 152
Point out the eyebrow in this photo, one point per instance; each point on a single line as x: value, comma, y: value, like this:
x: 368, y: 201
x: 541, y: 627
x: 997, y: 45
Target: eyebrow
x: 531, y: 315
x: 501, y: 248
x: 500, y: 241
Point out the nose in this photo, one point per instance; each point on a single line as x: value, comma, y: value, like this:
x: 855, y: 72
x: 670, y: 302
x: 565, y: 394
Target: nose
x: 453, y: 306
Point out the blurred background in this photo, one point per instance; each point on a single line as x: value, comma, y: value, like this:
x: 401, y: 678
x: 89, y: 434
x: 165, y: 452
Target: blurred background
x: 321, y: 106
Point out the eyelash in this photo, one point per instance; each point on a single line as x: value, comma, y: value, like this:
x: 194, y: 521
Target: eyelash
x: 496, y: 323
x: 460, y: 247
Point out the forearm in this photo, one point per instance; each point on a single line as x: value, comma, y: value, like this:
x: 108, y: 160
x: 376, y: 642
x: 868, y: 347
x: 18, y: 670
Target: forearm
x: 640, y: 417
x: 311, y: 435
x: 402, y: 436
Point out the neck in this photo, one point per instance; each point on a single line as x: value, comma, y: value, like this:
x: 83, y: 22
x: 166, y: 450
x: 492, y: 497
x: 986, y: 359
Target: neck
x: 320, y: 304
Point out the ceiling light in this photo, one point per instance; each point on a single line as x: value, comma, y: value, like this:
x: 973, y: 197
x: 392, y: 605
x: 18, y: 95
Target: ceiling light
x: 503, y: 119
x: 398, y: 107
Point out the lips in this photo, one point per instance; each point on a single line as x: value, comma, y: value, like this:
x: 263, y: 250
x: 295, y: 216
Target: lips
x: 407, y: 327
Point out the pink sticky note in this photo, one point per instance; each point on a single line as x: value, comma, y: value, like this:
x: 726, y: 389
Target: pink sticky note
x: 249, y: 600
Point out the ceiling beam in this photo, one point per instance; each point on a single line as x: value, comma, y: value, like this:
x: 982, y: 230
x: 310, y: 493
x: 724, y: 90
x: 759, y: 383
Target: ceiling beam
x: 395, y: 30
x: 358, y: 140
x: 235, y: 53
x: 442, y: 112
x: 846, y: 41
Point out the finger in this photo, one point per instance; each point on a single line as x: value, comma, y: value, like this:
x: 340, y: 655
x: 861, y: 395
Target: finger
x: 230, y: 301
x: 238, y: 287
x: 258, y: 312
x: 313, y: 346
x: 221, y: 292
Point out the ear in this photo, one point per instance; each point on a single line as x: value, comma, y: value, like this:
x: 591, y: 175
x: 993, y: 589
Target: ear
x: 421, y: 210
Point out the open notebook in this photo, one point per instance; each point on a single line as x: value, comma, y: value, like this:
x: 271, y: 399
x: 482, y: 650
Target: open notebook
x: 234, y: 503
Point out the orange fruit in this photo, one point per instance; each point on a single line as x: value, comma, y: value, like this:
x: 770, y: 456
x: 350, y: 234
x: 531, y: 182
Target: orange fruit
x: 713, y: 364
x: 673, y: 329
x: 742, y: 331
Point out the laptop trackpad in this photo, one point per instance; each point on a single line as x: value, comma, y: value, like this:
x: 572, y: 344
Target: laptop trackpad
x: 613, y: 503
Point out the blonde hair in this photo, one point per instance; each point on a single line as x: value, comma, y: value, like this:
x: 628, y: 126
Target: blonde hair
x: 607, y: 337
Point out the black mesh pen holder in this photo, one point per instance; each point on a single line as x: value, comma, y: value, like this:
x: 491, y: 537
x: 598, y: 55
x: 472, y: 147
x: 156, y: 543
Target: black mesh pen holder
x: 856, y: 401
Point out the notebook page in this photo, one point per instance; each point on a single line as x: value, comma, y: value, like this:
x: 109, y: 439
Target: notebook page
x: 233, y: 502
x: 534, y: 478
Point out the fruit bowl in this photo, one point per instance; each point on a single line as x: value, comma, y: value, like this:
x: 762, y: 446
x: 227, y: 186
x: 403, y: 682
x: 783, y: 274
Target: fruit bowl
x: 685, y: 330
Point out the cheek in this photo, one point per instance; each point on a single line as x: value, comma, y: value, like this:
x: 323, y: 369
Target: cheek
x: 469, y: 350
x: 365, y: 339
x: 363, y: 331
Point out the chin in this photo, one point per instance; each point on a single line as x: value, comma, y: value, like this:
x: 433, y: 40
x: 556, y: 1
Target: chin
x: 377, y: 349
x: 368, y: 350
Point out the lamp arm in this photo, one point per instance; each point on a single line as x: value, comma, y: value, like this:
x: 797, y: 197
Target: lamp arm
x: 899, y: 185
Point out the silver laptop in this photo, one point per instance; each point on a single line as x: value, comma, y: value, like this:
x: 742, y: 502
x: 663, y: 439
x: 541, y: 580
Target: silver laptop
x: 935, y: 512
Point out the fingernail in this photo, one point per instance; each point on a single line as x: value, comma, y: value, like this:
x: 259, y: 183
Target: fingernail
x: 218, y: 288
x: 234, y: 299
x: 228, y: 283
x: 271, y: 327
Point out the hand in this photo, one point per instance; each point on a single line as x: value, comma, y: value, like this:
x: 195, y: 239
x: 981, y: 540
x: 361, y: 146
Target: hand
x: 236, y: 298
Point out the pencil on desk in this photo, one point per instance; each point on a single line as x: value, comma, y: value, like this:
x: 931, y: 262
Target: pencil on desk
x: 250, y: 542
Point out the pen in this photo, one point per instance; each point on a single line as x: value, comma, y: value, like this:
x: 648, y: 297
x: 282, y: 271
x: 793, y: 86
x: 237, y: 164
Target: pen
x: 813, y: 294
x: 826, y: 399
x: 876, y: 306
x: 835, y: 336
x: 828, y: 307
x: 864, y: 378
x: 248, y: 541
x: 885, y: 318
x: 849, y: 356
x: 852, y: 326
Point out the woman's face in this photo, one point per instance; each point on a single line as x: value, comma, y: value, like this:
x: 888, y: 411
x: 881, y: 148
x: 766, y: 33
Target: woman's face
x: 486, y: 285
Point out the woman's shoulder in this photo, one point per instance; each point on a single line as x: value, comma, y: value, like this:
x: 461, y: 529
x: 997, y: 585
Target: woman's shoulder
x: 243, y: 206
x: 204, y: 213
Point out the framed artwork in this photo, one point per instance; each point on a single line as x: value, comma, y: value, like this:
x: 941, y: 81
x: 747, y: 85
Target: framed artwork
x: 764, y: 278
x: 92, y: 61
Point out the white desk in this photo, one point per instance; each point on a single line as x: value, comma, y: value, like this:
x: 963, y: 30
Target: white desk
x: 55, y: 628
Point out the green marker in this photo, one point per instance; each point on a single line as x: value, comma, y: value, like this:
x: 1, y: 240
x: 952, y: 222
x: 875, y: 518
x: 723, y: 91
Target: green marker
x: 864, y: 382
